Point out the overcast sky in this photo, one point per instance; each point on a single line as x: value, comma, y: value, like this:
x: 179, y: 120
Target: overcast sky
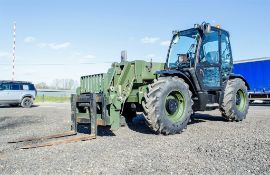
x: 56, y: 38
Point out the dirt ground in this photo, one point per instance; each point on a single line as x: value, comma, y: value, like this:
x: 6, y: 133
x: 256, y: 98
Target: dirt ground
x: 209, y: 145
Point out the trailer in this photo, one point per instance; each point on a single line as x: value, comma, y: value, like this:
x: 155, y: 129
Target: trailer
x: 256, y: 72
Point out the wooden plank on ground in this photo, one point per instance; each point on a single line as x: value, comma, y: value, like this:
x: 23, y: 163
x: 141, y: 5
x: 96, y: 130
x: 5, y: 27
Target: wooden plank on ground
x: 64, y: 134
x: 59, y: 142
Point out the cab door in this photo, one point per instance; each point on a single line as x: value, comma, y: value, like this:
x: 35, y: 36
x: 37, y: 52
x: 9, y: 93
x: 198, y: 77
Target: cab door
x: 226, y: 56
x: 208, y: 69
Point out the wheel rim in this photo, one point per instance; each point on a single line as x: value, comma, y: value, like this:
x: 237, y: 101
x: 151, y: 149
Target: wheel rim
x: 240, y: 100
x: 175, y: 106
x: 27, y: 102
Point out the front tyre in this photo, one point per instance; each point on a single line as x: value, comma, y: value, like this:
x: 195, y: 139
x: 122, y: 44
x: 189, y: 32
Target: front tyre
x: 168, y: 105
x: 235, y: 102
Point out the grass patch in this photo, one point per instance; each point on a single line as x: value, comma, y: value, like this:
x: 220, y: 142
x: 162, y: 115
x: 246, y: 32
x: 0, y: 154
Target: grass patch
x: 60, y: 99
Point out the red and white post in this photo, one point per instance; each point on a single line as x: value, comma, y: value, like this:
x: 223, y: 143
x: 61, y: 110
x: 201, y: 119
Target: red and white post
x: 13, y: 51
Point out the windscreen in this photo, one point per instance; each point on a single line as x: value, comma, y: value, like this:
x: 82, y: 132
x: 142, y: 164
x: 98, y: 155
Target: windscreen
x: 183, y: 43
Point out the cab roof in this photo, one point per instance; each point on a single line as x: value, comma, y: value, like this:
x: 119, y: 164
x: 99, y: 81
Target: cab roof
x: 191, y: 30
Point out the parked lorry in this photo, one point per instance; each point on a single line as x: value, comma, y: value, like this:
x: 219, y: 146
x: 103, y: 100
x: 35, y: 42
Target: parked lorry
x: 256, y: 73
x: 196, y: 76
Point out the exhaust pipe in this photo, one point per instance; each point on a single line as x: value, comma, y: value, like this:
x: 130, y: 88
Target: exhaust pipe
x: 123, y: 55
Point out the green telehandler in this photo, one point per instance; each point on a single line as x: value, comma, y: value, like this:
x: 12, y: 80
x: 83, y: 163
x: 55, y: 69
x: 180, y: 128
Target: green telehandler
x: 197, y: 76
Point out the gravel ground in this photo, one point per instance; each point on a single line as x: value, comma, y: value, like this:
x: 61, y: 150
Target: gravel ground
x: 210, y: 145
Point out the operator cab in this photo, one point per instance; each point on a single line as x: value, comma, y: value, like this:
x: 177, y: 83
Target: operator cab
x: 205, y: 49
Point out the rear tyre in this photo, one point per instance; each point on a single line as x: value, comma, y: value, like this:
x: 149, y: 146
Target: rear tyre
x: 27, y: 102
x: 168, y: 105
x: 235, y: 103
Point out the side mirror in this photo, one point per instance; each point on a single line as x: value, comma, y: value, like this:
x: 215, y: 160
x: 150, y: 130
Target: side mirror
x: 176, y: 39
x: 182, y: 58
x: 206, y: 27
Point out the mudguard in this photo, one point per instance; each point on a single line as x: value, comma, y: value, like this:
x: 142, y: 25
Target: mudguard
x: 232, y: 76
x: 179, y: 74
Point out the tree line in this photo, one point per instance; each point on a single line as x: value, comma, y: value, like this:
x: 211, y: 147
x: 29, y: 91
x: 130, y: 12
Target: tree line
x: 61, y: 84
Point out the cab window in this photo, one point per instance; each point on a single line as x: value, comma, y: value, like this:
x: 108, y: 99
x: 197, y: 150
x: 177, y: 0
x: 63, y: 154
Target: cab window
x: 226, y: 55
x: 209, y: 50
